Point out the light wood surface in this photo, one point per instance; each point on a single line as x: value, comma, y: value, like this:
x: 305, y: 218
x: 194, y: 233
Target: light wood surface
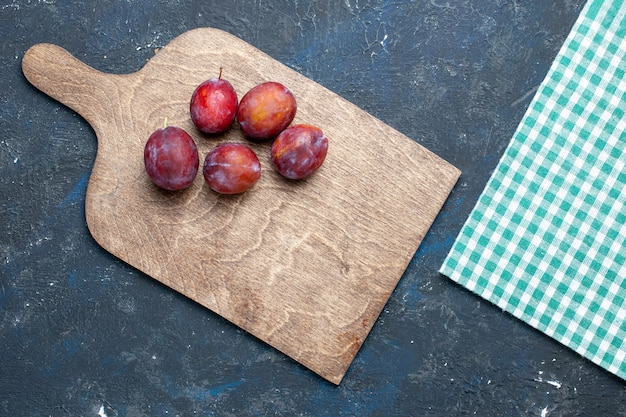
x: 305, y: 266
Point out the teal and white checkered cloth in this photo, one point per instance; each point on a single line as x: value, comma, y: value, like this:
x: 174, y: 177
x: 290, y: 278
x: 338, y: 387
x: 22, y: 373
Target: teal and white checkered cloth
x: 547, y: 239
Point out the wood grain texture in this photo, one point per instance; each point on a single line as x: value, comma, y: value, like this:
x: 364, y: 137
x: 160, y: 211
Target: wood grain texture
x: 304, y: 266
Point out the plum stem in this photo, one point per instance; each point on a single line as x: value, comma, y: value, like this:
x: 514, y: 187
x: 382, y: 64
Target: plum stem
x: 220, y: 76
x: 164, y: 123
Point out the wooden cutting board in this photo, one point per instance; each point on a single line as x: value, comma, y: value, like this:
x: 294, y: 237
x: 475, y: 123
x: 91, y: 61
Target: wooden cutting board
x: 305, y: 266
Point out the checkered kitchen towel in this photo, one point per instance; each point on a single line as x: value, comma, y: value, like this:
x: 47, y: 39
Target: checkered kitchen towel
x: 547, y: 238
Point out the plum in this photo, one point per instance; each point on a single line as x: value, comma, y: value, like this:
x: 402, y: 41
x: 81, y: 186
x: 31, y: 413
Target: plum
x: 266, y: 110
x: 171, y: 158
x: 213, y: 105
x: 231, y: 168
x: 299, y: 151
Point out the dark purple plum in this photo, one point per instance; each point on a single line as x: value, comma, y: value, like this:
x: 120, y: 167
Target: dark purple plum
x: 171, y: 158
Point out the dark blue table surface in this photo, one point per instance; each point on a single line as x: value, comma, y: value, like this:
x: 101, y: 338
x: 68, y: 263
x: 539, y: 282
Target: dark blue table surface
x: 83, y: 334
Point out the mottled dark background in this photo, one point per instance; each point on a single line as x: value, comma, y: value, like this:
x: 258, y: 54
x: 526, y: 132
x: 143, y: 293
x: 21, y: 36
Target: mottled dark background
x: 83, y: 334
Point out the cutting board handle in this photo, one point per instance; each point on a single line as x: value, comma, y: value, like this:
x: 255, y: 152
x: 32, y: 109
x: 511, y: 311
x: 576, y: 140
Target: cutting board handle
x: 54, y: 71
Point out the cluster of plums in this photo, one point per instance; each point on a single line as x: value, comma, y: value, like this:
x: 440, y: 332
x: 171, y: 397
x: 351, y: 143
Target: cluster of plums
x: 264, y: 112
